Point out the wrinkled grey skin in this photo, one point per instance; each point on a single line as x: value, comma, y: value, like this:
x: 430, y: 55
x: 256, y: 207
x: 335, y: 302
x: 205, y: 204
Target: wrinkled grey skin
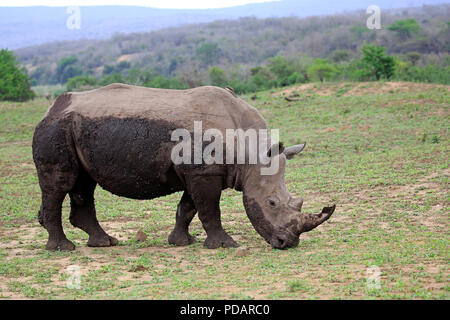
x: 274, y: 213
x: 119, y: 137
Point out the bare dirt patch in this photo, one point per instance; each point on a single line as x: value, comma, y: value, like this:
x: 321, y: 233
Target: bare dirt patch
x: 358, y: 89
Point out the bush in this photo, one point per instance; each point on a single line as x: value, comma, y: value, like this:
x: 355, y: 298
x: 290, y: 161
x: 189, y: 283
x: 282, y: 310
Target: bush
x: 340, y: 55
x: 282, y: 68
x: 112, y: 78
x: 208, y: 53
x: 121, y: 66
x: 81, y: 82
x: 296, y: 78
x: 321, y: 70
x: 165, y: 83
x: 405, y: 28
x: 218, y: 77
x: 241, y: 87
x: 67, y: 69
x: 14, y: 83
x: 377, y: 63
x: 429, y: 73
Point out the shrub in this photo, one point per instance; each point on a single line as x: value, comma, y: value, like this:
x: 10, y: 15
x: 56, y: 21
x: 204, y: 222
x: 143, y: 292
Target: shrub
x: 405, y: 28
x: 112, y: 78
x: 321, y: 70
x: 14, y: 82
x: 208, y: 53
x: 66, y: 69
x: 263, y: 78
x: 429, y: 73
x: 80, y: 82
x: 218, y: 77
x: 165, y: 83
x: 377, y: 63
x: 282, y: 68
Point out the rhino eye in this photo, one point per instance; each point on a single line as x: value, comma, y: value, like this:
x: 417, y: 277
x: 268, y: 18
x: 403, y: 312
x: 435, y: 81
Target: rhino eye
x: 272, y: 203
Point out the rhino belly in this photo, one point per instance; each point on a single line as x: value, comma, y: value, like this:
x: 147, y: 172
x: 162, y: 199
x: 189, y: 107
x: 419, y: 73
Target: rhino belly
x: 129, y: 157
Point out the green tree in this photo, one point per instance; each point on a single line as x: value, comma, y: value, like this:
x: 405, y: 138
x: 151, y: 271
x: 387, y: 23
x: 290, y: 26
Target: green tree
x: 282, y: 68
x: 218, y: 77
x: 108, y: 69
x: 340, y: 55
x: 160, y: 81
x: 120, y: 67
x: 358, y: 31
x: 208, y: 53
x: 405, y: 28
x: 14, y: 82
x: 112, y: 78
x: 41, y: 74
x: 263, y: 78
x: 413, y: 57
x: 377, y: 63
x: 80, y: 82
x: 137, y: 76
x: 321, y: 70
x: 66, y: 69
x: 296, y: 78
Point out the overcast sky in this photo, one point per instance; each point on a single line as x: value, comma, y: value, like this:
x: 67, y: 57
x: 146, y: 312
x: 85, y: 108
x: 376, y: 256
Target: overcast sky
x: 179, y: 4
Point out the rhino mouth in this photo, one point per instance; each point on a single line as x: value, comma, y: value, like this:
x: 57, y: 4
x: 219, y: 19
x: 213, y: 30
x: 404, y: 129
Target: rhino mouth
x: 283, y: 242
x: 284, y: 239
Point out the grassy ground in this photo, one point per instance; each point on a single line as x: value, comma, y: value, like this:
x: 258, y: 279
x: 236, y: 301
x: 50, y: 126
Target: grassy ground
x: 381, y: 154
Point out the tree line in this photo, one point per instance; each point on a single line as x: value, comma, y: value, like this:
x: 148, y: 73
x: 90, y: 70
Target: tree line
x: 256, y: 54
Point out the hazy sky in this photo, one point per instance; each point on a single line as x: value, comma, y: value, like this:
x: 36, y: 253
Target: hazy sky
x: 181, y: 4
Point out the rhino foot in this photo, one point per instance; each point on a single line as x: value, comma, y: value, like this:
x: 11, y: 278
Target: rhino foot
x: 220, y: 240
x: 63, y: 245
x: 181, y: 238
x: 102, y: 241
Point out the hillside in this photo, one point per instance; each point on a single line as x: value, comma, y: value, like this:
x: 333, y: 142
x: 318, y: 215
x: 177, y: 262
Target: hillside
x: 357, y: 89
x: 25, y: 26
x: 236, y: 46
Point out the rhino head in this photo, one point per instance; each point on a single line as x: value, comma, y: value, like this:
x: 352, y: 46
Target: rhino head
x: 273, y: 212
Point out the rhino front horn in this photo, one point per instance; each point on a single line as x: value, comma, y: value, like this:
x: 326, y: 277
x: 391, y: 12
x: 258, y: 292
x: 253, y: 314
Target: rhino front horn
x: 310, y: 221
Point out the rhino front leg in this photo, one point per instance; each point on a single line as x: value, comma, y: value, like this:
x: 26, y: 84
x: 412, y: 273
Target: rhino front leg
x: 185, y: 213
x: 205, y: 192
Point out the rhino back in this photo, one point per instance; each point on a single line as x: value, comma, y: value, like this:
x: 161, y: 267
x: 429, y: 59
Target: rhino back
x: 122, y: 133
x: 215, y: 107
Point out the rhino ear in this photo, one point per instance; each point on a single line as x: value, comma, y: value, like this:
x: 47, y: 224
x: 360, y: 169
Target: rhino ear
x: 273, y: 149
x: 294, y: 150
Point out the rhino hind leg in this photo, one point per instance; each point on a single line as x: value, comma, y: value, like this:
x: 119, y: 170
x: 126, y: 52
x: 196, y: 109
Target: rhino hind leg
x: 83, y: 214
x: 50, y: 218
x: 185, y: 213
x: 205, y: 192
x: 57, y: 169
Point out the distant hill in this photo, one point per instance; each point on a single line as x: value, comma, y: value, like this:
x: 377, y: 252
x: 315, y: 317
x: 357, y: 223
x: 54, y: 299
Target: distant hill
x: 238, y: 45
x: 27, y: 26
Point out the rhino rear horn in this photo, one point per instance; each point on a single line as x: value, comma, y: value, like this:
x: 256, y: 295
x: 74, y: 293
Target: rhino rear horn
x: 294, y: 150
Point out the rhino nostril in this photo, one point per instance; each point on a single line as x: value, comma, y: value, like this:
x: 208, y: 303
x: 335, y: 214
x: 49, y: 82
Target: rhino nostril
x: 282, y: 243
